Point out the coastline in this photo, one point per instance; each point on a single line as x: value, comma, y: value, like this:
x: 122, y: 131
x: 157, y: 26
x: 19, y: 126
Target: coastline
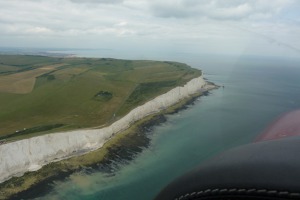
x: 61, y: 169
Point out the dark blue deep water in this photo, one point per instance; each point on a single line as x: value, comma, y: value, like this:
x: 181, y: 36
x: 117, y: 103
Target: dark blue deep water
x: 257, y: 90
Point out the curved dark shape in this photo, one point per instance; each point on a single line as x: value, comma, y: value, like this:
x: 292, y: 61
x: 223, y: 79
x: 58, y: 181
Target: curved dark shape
x: 262, y: 170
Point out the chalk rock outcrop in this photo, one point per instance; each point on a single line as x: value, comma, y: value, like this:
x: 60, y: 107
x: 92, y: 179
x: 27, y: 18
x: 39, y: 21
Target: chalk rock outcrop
x: 25, y: 155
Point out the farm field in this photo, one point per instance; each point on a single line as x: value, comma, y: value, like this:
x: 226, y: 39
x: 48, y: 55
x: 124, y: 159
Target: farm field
x: 41, y: 94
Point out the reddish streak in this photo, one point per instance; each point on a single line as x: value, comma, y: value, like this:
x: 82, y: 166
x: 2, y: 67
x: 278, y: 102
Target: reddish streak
x: 285, y: 126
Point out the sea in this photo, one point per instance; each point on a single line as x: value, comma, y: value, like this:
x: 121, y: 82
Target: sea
x: 255, y: 90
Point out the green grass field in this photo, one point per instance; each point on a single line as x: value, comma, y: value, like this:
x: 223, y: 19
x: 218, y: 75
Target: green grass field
x: 78, y: 92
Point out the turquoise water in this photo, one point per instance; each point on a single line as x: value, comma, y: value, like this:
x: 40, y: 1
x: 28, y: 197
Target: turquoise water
x: 257, y: 90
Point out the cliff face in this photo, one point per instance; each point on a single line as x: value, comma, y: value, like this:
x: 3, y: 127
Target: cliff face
x: 25, y: 155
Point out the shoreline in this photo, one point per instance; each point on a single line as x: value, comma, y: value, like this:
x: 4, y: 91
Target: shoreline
x: 30, y: 181
x: 42, y: 150
x: 140, y: 129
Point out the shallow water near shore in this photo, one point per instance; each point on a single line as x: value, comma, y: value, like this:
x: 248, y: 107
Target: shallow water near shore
x: 256, y: 92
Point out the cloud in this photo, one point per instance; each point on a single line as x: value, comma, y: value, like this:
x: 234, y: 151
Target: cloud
x: 218, y: 9
x: 97, y: 1
x: 38, y: 30
x: 185, y: 24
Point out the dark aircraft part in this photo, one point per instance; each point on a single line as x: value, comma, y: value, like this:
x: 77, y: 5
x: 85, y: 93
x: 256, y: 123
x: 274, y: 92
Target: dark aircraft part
x: 267, y: 169
x: 262, y: 170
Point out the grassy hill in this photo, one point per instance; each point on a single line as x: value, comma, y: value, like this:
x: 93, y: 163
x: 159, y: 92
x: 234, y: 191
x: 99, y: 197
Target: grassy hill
x: 41, y: 94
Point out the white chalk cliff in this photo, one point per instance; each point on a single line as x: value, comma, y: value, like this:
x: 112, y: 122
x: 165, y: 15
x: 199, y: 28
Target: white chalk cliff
x: 25, y: 155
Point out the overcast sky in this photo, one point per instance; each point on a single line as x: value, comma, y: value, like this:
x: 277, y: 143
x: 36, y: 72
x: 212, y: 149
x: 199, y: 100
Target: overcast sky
x: 267, y: 27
